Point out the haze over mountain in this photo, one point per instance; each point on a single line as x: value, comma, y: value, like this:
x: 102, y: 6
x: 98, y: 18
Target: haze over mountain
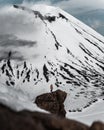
x: 90, y: 12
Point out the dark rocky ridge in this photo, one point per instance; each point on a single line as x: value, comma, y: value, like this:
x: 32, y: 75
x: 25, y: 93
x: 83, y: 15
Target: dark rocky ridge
x: 52, y: 102
x: 25, y: 120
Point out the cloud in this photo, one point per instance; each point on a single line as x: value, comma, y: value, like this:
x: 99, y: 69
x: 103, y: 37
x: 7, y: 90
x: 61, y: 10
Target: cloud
x: 78, y: 6
x: 73, y: 6
x: 12, y: 41
x: 96, y: 24
x: 17, y: 22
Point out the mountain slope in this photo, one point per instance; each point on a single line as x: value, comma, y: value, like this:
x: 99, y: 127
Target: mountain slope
x: 44, y: 45
x: 95, y: 112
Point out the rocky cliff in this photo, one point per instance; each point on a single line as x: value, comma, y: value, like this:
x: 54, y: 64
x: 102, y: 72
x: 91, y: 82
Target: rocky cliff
x: 52, y: 102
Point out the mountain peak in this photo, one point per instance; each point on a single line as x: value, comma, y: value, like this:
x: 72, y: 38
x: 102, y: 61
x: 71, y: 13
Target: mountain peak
x: 48, y: 46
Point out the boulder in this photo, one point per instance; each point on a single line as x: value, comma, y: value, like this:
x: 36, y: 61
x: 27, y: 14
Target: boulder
x: 26, y: 120
x: 52, y: 102
x: 97, y: 126
x: 11, y: 120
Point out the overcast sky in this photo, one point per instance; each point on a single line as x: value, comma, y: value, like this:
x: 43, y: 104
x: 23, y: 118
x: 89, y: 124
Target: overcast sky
x: 73, y: 4
x: 69, y: 5
x: 85, y: 4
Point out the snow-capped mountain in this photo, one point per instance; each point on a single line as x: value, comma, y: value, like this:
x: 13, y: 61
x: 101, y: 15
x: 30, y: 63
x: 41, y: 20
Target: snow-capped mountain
x: 44, y: 45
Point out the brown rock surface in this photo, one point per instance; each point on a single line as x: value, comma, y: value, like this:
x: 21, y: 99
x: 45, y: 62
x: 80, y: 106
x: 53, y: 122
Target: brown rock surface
x: 52, y: 102
x: 26, y: 120
x: 97, y: 126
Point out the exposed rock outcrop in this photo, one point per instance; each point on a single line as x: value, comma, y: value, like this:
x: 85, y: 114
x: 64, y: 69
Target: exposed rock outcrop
x: 97, y: 126
x: 26, y: 120
x: 52, y: 102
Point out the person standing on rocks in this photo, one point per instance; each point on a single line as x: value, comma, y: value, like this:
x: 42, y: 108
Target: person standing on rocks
x: 51, y: 88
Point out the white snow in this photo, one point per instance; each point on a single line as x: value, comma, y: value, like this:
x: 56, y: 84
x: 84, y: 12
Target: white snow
x: 89, y: 115
x: 18, y: 27
x: 17, y: 100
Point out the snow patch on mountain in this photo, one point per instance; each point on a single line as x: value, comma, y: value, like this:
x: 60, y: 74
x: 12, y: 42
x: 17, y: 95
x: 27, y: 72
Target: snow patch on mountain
x: 89, y: 115
x: 44, y: 45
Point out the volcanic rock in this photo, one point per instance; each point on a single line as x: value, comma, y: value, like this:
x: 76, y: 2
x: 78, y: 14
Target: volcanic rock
x: 25, y: 120
x: 97, y: 126
x: 52, y: 102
